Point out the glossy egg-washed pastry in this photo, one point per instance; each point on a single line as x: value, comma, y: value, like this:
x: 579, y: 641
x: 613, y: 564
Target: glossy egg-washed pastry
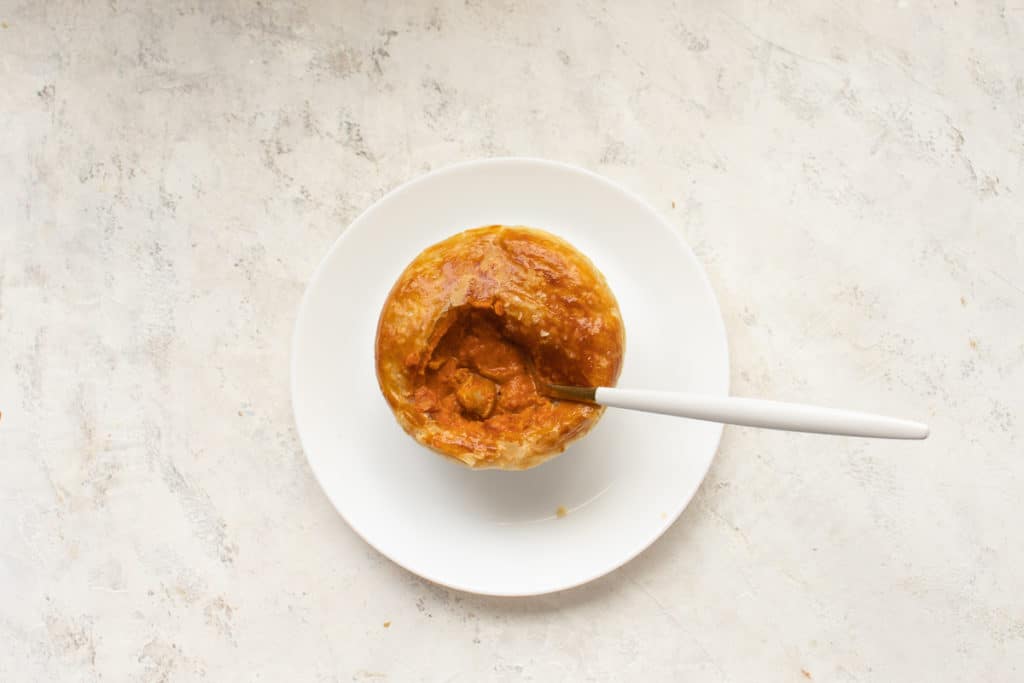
x: 472, y: 326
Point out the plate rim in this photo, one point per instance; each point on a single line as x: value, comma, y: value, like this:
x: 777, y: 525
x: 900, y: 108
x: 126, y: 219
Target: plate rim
x: 354, y: 226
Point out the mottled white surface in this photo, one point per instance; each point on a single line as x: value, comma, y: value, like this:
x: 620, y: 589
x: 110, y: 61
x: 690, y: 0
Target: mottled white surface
x: 171, y: 173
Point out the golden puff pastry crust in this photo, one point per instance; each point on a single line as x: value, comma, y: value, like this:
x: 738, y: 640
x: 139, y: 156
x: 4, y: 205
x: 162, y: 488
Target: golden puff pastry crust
x: 471, y: 326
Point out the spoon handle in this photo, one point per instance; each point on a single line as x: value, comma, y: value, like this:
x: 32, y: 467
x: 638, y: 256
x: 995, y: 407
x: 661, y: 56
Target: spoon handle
x: 753, y: 412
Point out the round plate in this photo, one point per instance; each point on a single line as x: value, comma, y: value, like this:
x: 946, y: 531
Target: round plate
x: 574, y: 518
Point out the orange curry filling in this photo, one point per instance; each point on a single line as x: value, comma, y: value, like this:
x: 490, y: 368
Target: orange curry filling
x: 476, y: 374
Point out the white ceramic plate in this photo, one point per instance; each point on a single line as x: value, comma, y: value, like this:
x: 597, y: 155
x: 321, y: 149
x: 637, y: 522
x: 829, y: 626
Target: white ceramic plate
x: 497, y: 532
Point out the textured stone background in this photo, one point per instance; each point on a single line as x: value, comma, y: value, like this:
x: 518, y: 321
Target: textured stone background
x: 171, y: 173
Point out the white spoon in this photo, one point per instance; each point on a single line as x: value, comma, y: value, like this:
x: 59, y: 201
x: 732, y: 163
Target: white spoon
x: 750, y: 412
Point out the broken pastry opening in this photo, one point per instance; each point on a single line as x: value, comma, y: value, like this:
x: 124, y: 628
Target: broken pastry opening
x: 479, y: 372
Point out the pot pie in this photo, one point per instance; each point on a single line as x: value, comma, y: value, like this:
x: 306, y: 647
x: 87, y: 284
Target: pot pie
x: 475, y: 324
